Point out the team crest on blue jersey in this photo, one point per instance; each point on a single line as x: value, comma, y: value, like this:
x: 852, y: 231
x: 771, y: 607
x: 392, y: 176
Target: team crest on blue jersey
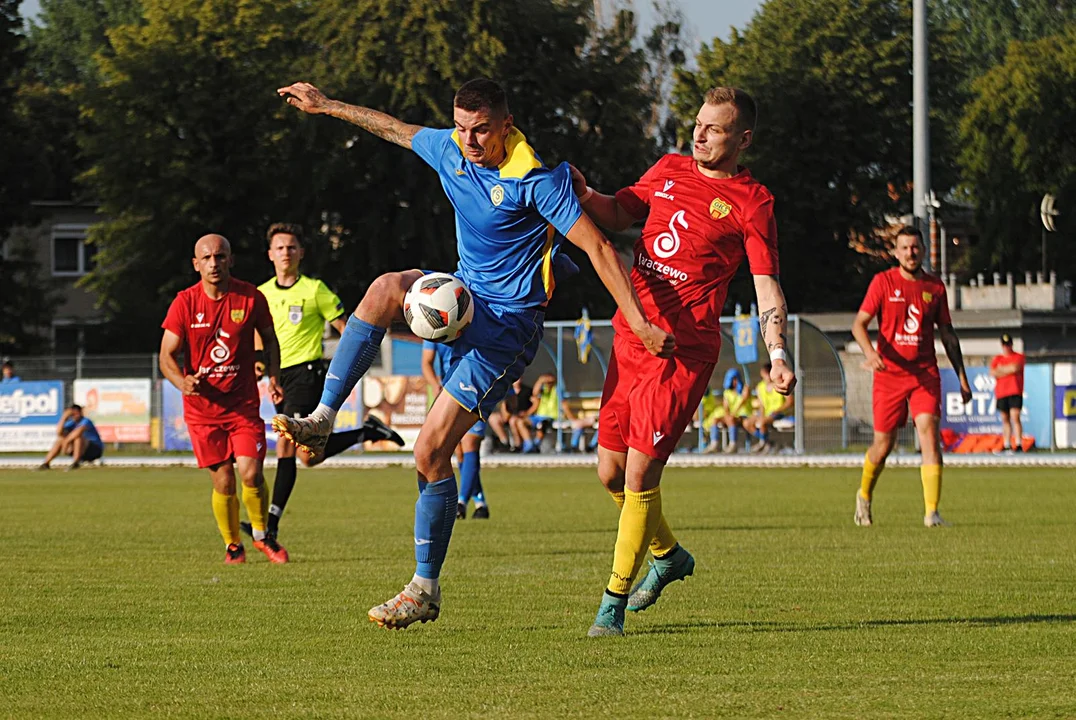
x: 295, y: 314
x: 496, y: 194
x: 238, y: 314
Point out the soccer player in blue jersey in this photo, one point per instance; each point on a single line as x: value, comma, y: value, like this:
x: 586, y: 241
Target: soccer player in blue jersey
x: 511, y: 213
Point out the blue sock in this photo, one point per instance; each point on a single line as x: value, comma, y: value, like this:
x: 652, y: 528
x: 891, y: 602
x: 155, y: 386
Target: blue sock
x: 758, y: 435
x: 577, y: 435
x: 715, y: 433
x: 435, y: 513
x: 479, y: 497
x: 528, y: 445
x: 469, y: 470
x: 733, y: 433
x: 354, y: 354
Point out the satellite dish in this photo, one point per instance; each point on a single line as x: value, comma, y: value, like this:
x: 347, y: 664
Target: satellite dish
x: 1048, y: 213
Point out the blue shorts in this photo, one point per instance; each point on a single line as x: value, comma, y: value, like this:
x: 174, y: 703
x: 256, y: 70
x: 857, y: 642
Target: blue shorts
x: 492, y: 354
x: 539, y: 419
x: 479, y: 428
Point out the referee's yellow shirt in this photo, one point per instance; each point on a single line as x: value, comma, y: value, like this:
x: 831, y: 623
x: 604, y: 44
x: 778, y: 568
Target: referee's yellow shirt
x: 299, y: 316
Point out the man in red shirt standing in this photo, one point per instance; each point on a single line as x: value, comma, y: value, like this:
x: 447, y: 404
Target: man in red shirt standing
x: 908, y: 303
x: 212, y: 324
x: 704, y: 214
x: 1008, y: 369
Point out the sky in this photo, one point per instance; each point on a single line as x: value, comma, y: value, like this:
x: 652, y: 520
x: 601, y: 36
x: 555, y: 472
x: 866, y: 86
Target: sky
x: 707, y: 18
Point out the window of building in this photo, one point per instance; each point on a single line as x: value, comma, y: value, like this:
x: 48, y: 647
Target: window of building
x: 72, y: 256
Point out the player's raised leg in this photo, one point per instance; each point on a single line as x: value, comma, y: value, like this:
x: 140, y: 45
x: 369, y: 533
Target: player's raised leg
x: 380, y: 306
x: 435, y: 514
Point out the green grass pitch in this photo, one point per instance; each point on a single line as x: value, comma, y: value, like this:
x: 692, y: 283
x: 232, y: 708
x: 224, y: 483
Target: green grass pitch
x: 114, y: 602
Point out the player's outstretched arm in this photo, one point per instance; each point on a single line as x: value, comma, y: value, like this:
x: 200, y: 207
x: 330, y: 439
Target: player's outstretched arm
x: 310, y: 100
x: 951, y: 343
x: 428, y: 371
x: 585, y: 235
x: 773, y: 322
x: 602, y: 209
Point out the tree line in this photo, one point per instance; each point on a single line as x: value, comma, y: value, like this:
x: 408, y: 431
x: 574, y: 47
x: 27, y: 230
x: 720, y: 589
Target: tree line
x: 164, y: 113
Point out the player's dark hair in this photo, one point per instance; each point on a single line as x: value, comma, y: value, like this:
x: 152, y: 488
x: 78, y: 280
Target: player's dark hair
x: 482, y: 94
x: 746, y: 109
x: 911, y: 230
x: 8, y: 364
x: 767, y: 367
x: 285, y: 229
x: 75, y: 406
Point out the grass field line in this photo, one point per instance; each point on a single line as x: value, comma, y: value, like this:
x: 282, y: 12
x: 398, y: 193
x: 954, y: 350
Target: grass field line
x: 404, y: 459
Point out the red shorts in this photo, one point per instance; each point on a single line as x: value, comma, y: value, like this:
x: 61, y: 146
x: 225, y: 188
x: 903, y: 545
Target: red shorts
x: 647, y: 402
x: 229, y: 436
x: 894, y: 392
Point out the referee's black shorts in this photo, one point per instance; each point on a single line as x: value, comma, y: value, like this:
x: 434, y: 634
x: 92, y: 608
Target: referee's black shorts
x: 302, y: 386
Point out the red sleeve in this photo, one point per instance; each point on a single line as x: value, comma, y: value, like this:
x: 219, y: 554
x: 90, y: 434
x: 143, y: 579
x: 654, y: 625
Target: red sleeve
x: 760, y: 239
x: 995, y: 362
x: 176, y: 319
x: 636, y: 198
x: 872, y: 302
x: 944, y: 318
x: 263, y: 319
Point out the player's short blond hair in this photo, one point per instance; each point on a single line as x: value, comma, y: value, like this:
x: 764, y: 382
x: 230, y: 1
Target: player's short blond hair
x: 746, y: 109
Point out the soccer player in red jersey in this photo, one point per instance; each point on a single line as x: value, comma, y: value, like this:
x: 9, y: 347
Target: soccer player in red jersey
x: 1008, y: 369
x: 704, y: 214
x: 212, y: 324
x: 908, y: 303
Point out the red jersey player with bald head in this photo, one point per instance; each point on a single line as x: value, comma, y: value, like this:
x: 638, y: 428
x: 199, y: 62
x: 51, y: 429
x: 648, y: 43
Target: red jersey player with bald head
x: 703, y: 215
x: 212, y: 324
x: 908, y: 303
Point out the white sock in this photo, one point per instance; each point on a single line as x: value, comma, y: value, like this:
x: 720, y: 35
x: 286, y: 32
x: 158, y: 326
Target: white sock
x: 323, y: 413
x: 428, y: 586
x: 258, y: 534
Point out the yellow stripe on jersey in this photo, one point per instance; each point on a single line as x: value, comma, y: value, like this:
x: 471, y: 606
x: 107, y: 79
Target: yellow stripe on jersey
x: 548, y: 281
x: 520, y: 157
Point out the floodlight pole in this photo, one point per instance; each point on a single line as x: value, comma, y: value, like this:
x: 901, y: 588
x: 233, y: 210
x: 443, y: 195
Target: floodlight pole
x: 920, y: 122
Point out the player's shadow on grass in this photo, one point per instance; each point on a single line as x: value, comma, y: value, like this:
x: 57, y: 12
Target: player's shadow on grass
x: 771, y: 626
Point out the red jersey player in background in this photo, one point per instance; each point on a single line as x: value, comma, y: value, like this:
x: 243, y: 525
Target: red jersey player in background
x: 212, y: 324
x: 908, y: 303
x: 704, y: 214
x: 1008, y: 369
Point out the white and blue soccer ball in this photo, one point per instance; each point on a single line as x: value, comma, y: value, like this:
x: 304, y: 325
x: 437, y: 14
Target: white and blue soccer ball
x: 438, y: 307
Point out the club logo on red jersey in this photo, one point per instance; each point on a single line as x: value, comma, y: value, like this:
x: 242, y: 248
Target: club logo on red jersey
x: 238, y: 314
x: 667, y: 243
x: 719, y: 208
x: 927, y: 297
x: 221, y: 352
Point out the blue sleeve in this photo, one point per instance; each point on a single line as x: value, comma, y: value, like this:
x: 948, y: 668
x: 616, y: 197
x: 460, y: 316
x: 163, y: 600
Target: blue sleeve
x: 427, y: 345
x: 429, y: 144
x: 550, y: 193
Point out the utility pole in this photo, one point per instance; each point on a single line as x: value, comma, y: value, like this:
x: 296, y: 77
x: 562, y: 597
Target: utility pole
x: 920, y: 121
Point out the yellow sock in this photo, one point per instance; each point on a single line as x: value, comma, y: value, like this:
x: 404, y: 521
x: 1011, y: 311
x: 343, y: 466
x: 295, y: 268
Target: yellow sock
x: 638, y: 523
x: 870, y: 477
x: 664, y: 541
x: 931, y: 475
x: 256, y: 500
x: 226, y: 512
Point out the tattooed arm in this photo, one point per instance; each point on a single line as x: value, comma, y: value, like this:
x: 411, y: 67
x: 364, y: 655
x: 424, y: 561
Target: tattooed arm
x: 951, y: 343
x: 309, y: 99
x: 773, y: 322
